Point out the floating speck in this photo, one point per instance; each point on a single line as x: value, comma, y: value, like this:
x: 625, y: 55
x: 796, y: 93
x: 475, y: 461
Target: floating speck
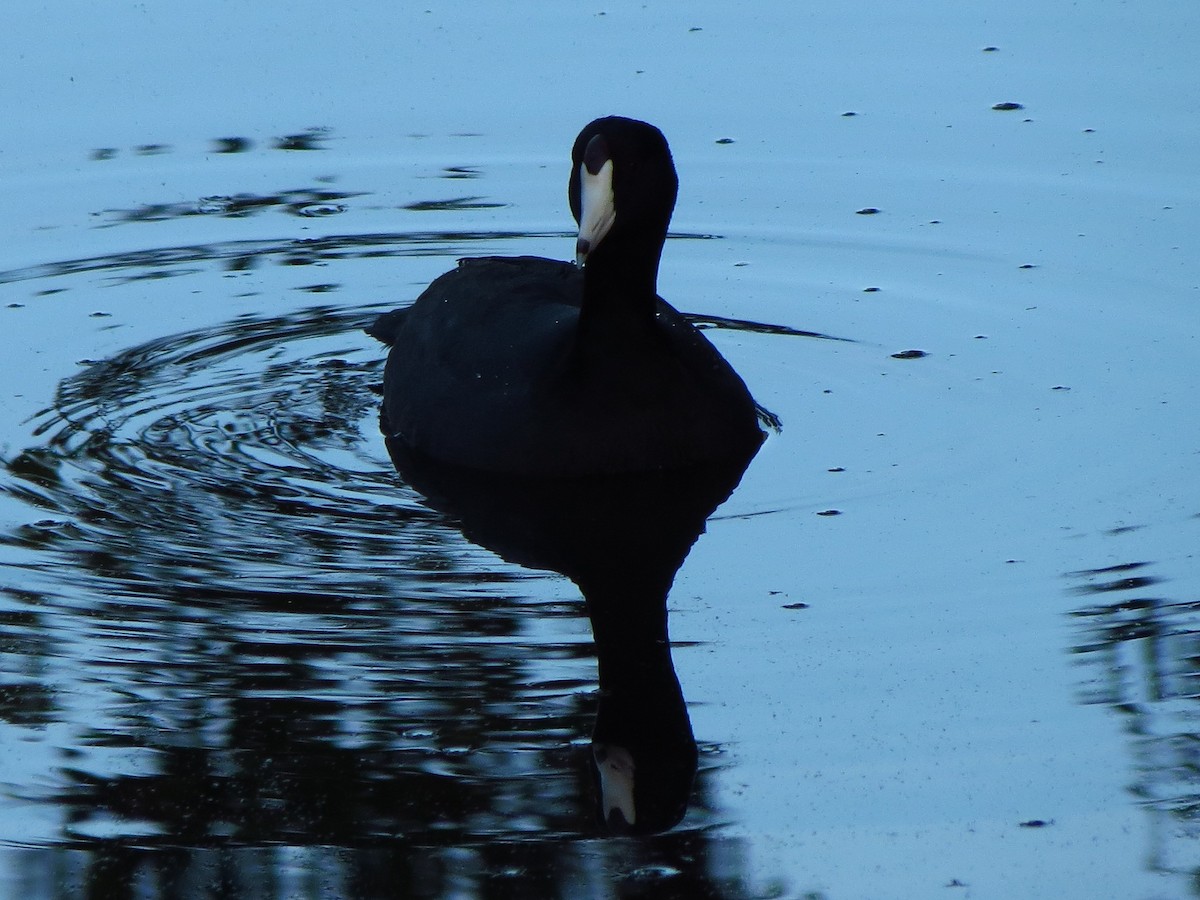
x: 1027, y: 266
x: 990, y: 49
x: 1036, y: 823
x: 910, y: 354
x: 151, y: 149
x: 830, y: 512
x: 871, y: 290
x: 795, y: 606
x: 848, y: 114
x: 103, y: 153
x: 867, y: 211
x: 101, y: 315
x: 724, y: 140
x: 695, y: 28
x: 1007, y: 106
x: 837, y: 469
x: 1060, y: 387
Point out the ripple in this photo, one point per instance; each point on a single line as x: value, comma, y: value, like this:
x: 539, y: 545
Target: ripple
x: 1142, y: 648
x: 221, y: 590
x: 307, y: 203
x: 220, y: 560
x: 243, y: 254
x: 222, y: 583
x: 245, y: 439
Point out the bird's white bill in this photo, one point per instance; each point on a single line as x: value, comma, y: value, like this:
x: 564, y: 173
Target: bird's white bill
x: 597, y: 209
x: 616, y: 768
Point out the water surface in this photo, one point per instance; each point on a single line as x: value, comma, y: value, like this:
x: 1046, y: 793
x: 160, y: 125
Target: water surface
x: 941, y: 638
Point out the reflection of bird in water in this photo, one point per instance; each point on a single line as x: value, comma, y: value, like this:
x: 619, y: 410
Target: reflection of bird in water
x: 621, y: 539
x: 538, y: 367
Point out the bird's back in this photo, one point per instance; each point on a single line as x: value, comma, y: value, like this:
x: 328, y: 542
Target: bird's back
x: 486, y: 371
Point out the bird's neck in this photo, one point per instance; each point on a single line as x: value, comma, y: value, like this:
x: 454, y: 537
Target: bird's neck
x: 629, y: 624
x: 619, y: 292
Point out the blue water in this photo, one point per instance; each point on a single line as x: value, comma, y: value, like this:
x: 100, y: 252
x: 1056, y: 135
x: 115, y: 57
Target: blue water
x: 942, y: 637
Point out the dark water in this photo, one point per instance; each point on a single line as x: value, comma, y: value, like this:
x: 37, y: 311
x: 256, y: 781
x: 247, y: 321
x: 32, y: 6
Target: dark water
x: 257, y: 661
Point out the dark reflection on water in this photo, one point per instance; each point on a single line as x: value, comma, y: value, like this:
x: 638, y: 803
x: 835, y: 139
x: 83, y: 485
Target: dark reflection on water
x: 306, y: 202
x: 237, y: 653
x: 621, y: 539
x: 242, y: 255
x: 309, y: 139
x: 676, y: 865
x: 1143, y: 651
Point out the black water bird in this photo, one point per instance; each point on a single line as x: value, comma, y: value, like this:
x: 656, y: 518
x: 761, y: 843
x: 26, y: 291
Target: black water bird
x: 538, y: 367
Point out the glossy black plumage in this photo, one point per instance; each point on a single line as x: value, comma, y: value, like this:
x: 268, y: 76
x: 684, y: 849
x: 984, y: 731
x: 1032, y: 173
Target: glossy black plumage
x: 536, y: 367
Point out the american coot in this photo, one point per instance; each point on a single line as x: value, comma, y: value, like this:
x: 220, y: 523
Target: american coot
x: 538, y: 367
